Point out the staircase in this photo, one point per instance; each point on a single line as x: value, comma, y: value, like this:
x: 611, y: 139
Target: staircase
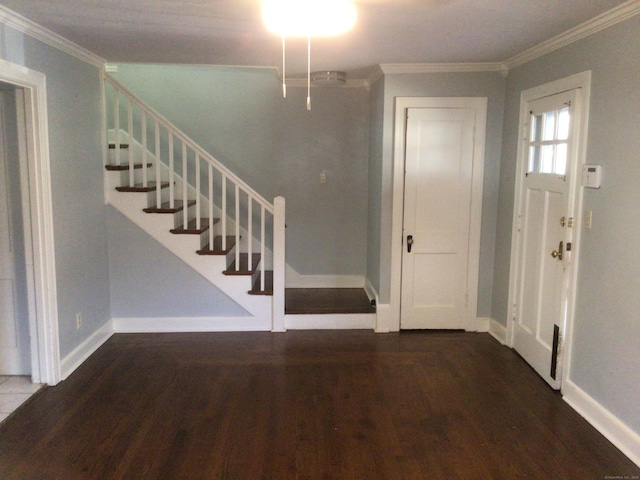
x: 194, y: 206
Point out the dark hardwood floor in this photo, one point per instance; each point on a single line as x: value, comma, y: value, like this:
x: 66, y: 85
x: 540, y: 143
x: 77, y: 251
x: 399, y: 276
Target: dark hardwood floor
x: 326, y: 300
x: 304, y: 405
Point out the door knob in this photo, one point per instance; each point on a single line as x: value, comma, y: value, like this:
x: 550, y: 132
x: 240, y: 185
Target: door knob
x: 558, y: 253
x: 409, y: 243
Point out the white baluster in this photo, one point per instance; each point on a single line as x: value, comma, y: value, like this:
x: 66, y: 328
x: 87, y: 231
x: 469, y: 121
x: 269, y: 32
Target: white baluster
x: 185, y: 174
x: 158, y: 169
x: 145, y: 179
x: 171, y: 187
x: 224, y: 212
x: 250, y: 230
x: 279, y: 210
x: 130, y: 149
x: 198, y: 220
x: 262, y: 243
x: 116, y: 125
x: 211, y: 230
x: 237, y: 192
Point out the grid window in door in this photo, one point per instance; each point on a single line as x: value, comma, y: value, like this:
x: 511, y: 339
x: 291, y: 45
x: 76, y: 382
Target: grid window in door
x: 548, y: 141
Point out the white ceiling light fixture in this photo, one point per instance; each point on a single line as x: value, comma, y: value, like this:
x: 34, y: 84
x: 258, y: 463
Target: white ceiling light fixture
x: 307, y: 18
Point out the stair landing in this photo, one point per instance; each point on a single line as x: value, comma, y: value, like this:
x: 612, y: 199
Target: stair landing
x: 327, y: 301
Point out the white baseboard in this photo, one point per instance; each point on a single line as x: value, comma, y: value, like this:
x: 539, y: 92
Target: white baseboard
x: 384, y: 319
x: 83, y: 351
x: 617, y: 432
x: 342, y: 321
x: 482, y: 324
x: 498, y: 331
x: 190, y: 324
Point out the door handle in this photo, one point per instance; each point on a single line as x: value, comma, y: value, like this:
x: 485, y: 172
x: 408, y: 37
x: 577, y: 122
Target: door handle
x: 558, y: 253
x: 409, y: 243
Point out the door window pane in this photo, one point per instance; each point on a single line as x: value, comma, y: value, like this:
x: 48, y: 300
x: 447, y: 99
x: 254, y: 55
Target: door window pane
x: 548, y: 144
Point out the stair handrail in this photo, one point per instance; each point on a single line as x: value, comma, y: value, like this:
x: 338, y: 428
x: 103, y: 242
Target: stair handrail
x: 183, y: 137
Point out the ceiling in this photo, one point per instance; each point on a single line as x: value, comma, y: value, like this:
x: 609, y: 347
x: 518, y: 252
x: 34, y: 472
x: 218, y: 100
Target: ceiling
x: 231, y: 32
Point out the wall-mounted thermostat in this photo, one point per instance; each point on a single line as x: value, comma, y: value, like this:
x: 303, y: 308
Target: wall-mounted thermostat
x: 591, y: 176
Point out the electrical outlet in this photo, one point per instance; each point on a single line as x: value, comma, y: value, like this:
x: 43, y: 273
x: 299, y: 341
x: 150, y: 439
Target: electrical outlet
x: 78, y: 321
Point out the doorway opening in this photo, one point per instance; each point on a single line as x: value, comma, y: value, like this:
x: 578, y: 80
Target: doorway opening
x: 28, y: 88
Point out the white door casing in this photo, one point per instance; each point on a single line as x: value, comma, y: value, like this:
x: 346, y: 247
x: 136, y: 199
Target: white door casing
x: 437, y: 202
x: 547, y: 214
x: 14, y: 333
x: 479, y: 105
x: 37, y: 210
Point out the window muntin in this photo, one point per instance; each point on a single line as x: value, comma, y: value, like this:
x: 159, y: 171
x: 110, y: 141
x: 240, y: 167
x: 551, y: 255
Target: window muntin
x: 548, y: 142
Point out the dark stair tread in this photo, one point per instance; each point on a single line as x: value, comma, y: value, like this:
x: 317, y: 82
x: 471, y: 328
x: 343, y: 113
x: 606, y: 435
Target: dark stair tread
x: 327, y: 301
x: 217, y: 246
x: 125, y: 167
x: 191, y: 227
x: 243, y: 268
x: 112, y: 146
x: 178, y: 205
x: 151, y: 187
x: 268, y: 284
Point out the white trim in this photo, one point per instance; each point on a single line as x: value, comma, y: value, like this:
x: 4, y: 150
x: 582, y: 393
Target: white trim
x: 415, y: 68
x: 616, y: 431
x: 83, y: 351
x: 385, y: 321
x: 401, y: 106
x: 295, y: 280
x: 498, y: 331
x: 483, y: 324
x: 342, y: 321
x: 191, y: 324
x: 26, y: 26
x: 38, y: 219
x: 595, y: 25
x: 350, y: 83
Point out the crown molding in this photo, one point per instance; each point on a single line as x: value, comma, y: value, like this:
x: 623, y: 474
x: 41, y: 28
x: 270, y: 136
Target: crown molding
x: 302, y: 83
x: 26, y: 26
x: 595, y: 25
x: 412, y: 68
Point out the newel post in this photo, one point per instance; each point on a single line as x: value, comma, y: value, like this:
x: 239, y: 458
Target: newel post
x: 278, y: 323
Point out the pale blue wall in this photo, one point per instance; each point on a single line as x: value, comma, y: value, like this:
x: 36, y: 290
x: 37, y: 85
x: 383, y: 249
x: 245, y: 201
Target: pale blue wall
x: 483, y: 84
x: 148, y: 281
x: 606, y: 335
x: 279, y: 148
x: 74, y: 116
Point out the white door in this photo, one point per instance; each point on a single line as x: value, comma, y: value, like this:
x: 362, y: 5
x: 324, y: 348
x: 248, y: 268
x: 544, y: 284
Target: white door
x: 437, y: 213
x: 14, y: 335
x: 544, y: 234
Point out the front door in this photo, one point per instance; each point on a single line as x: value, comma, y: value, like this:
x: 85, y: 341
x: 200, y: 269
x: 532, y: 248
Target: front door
x: 439, y: 154
x: 15, y: 355
x: 544, y: 230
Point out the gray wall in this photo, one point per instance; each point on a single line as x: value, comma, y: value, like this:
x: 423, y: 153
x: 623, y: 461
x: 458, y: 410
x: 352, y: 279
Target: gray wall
x: 605, y: 354
x: 74, y: 116
x: 279, y: 148
x: 484, y: 84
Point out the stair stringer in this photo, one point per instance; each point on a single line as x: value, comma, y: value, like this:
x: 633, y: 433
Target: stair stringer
x: 184, y: 247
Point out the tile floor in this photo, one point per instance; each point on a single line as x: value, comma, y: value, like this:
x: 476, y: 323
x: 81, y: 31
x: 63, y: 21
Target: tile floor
x: 14, y: 391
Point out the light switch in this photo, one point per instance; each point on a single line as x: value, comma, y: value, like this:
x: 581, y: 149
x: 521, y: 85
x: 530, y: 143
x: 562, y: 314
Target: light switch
x: 323, y: 177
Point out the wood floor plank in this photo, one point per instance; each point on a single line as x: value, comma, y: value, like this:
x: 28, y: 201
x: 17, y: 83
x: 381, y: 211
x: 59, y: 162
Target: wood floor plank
x: 304, y: 405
